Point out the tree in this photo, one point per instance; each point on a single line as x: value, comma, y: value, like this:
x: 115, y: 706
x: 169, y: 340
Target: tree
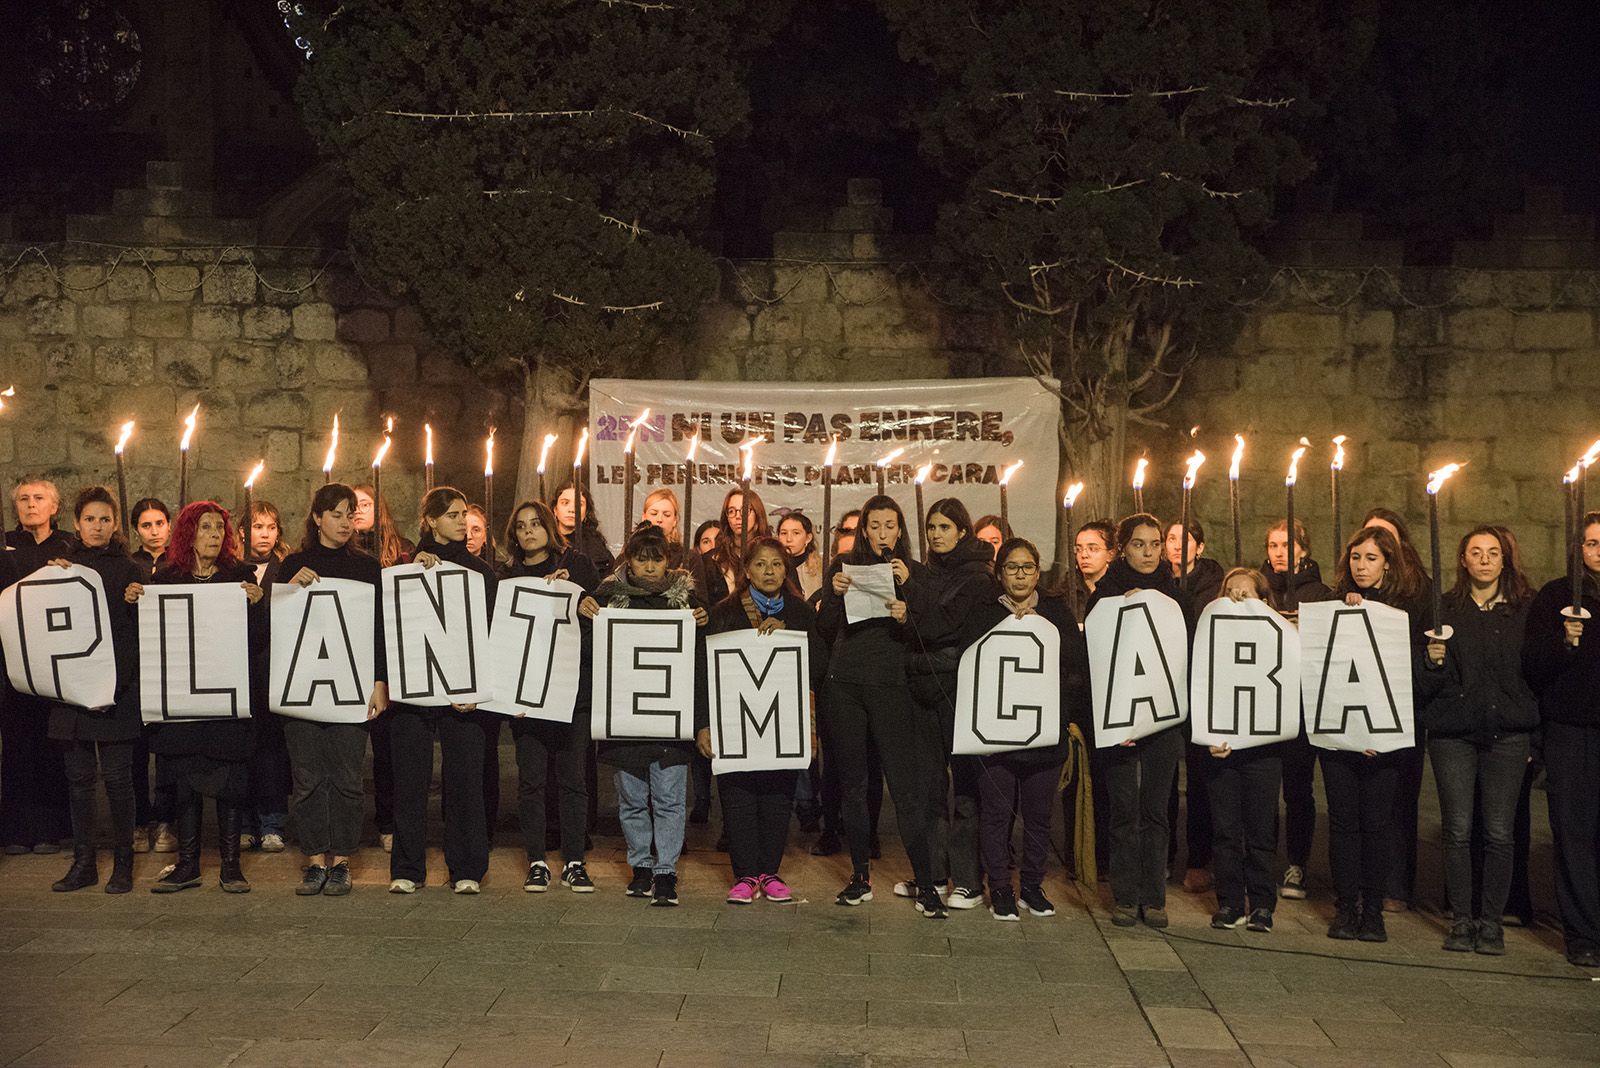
x: 532, y: 172
x: 1115, y: 161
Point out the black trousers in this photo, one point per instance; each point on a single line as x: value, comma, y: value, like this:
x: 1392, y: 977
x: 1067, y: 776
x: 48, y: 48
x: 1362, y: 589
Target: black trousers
x: 1402, y: 881
x: 325, y: 763
x: 1299, y: 799
x: 859, y: 715
x: 491, y: 773
x: 954, y: 797
x: 1138, y: 782
x: 1244, y: 814
x: 1197, y: 810
x: 382, y: 775
x: 270, y: 774
x: 115, y: 767
x: 1007, y: 788
x: 831, y: 817
x: 33, y: 781
x: 538, y: 741
x: 466, y: 840
x: 1519, y: 900
x: 1361, y: 806
x: 1572, y: 763
x: 700, y: 778
x: 756, y: 806
x: 139, y: 761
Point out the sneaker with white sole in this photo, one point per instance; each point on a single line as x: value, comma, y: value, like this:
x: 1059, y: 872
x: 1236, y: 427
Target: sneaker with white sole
x: 1293, y: 885
x: 905, y: 888
x: 775, y: 889
x: 1034, y: 901
x: 272, y: 843
x: 1003, y: 905
x: 575, y: 877
x: 964, y: 897
x: 859, y: 890
x: 538, y: 880
x: 402, y: 886
x: 467, y: 886
x: 745, y: 891
x: 387, y: 842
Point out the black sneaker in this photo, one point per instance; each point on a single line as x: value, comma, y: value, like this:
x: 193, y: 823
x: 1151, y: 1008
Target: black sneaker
x: 1371, y: 928
x: 575, y: 877
x: 1260, y: 921
x: 538, y: 880
x: 1227, y: 918
x: 1003, y: 904
x: 315, y: 879
x: 1345, y: 925
x: 664, y: 894
x: 858, y: 892
x: 931, y: 905
x: 1491, y: 939
x: 338, y: 883
x: 1033, y: 897
x: 641, y: 883
x: 1461, y: 936
x: 1125, y: 915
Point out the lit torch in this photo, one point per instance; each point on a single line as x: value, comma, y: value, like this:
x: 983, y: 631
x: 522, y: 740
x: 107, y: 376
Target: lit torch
x: 183, y: 457
x: 1436, y: 481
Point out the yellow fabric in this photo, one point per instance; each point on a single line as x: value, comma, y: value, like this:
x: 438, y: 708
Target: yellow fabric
x: 1075, y: 775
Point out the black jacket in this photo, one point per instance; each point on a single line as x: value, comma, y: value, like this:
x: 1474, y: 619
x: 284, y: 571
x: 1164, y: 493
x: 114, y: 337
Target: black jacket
x: 1204, y: 581
x: 1077, y: 703
x: 346, y: 563
x: 951, y: 587
x: 29, y: 555
x: 120, y: 722
x: 637, y: 756
x: 1308, y: 584
x: 1121, y: 578
x: 872, y: 652
x: 797, y: 617
x: 1567, y: 680
x: 1483, y: 694
x: 588, y: 541
x: 146, y: 563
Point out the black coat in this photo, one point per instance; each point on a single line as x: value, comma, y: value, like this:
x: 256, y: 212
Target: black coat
x: 1483, y: 694
x: 29, y: 555
x: 1120, y: 578
x: 120, y: 722
x: 872, y: 652
x: 345, y: 563
x: 1567, y: 680
x: 1204, y: 581
x: 951, y: 587
x: 1077, y: 703
x: 797, y: 617
x: 1308, y: 584
x: 588, y: 541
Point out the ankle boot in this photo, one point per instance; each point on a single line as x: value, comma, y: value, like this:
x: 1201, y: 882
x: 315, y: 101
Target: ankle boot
x: 186, y: 873
x: 82, y: 873
x: 229, y: 820
x: 121, y: 880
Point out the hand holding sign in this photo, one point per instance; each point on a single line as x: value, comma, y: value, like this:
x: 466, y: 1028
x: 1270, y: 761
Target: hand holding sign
x: 1008, y: 688
x: 55, y: 627
x: 1138, y: 666
x: 759, y: 701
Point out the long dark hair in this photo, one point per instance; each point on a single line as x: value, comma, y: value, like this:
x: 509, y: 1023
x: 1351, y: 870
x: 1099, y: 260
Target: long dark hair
x: 1512, y: 586
x: 100, y: 495
x: 741, y: 582
x: 1132, y: 523
x: 326, y: 499
x: 384, y: 538
x: 546, y: 518
x: 859, y: 552
x: 590, y: 521
x: 952, y: 509
x: 1403, y: 584
x: 647, y: 542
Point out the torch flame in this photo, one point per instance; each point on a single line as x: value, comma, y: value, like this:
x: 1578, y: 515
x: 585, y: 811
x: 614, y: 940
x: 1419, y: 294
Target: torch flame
x: 1194, y: 463
x: 1436, y: 479
x: 1006, y: 475
x: 1138, y: 473
x: 1072, y: 494
x: 633, y: 428
x: 1574, y: 474
x: 488, y: 455
x: 749, y: 450
x: 427, y: 430
x: 188, y: 428
x: 833, y: 450
x: 9, y: 391
x: 1238, y: 457
x: 333, y: 445
x: 544, y: 450
x: 923, y: 472
x: 1590, y: 456
x: 694, y: 447
x: 127, y: 432
x: 1338, y: 453
x: 1294, y: 463
x: 255, y: 473
x: 583, y: 443
x: 890, y: 457
x: 383, y: 450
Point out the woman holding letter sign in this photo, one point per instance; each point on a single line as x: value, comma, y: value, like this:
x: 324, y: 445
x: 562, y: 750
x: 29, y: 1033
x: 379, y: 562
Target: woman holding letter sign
x: 207, y: 758
x: 104, y: 734
x: 540, y: 551
x: 756, y: 805
x: 1139, y: 774
x: 461, y: 730
x: 1361, y: 786
x: 325, y: 758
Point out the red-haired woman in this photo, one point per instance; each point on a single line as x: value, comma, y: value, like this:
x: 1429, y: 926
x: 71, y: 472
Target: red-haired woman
x: 207, y: 758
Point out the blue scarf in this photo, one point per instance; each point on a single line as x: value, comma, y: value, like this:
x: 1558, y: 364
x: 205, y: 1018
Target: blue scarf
x: 767, y: 606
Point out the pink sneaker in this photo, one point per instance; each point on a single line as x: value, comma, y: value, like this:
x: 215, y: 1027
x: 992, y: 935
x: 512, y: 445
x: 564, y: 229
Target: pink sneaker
x: 776, y: 890
x: 744, y: 891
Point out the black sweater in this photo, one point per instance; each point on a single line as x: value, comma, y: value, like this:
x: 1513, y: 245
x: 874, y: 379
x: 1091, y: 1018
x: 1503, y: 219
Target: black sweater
x: 1120, y: 578
x: 1077, y: 704
x: 1204, y: 581
x: 1483, y: 693
x: 345, y: 563
x: 1308, y: 584
x: 1567, y: 680
x: 29, y: 555
x: 120, y: 722
x: 872, y: 652
x: 951, y: 588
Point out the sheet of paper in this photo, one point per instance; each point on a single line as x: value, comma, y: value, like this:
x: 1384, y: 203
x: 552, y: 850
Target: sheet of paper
x: 871, y: 590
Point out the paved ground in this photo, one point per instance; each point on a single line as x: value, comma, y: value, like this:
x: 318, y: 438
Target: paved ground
x: 202, y: 978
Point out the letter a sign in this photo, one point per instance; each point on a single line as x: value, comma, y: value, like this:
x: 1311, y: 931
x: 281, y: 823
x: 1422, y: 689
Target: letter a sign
x: 1138, y: 666
x: 1356, y: 667
x: 323, y: 658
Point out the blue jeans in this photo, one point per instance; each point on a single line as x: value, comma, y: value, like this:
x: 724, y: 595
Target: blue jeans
x: 1491, y: 776
x: 652, y: 810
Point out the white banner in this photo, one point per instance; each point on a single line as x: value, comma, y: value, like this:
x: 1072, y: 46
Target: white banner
x: 970, y: 429
x: 1244, y: 683
x: 1356, y: 676
x: 1008, y: 690
x: 535, y: 649
x: 759, y: 697
x: 436, y: 632
x: 323, y: 657
x: 643, y: 675
x: 55, y: 627
x: 1138, y: 666
x: 194, y: 652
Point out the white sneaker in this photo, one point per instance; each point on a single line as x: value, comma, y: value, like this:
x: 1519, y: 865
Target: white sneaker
x: 402, y: 886
x: 1293, y: 885
x: 387, y: 841
x: 905, y: 888
x: 964, y: 897
x: 272, y: 843
x: 467, y: 886
x: 247, y: 841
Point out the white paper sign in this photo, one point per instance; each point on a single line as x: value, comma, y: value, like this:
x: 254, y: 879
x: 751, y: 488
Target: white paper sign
x: 1356, y: 676
x: 759, y: 700
x: 869, y: 593
x: 643, y: 674
x: 436, y: 630
x: 1008, y: 689
x: 535, y: 649
x: 1138, y: 666
x: 1244, y: 681
x: 55, y: 627
x: 194, y: 653
x: 323, y: 659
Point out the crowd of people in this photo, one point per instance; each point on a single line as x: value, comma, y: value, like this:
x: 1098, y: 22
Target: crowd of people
x: 1516, y: 686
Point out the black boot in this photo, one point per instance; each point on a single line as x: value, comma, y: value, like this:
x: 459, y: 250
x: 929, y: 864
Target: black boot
x: 82, y: 873
x: 229, y: 819
x: 121, y: 880
x: 185, y: 875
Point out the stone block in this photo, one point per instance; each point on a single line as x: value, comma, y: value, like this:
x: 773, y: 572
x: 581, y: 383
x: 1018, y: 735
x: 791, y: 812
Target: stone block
x: 28, y: 282
x: 264, y: 323
x: 104, y: 320
x: 246, y: 365
x: 1523, y: 289
x: 67, y: 359
x: 721, y: 363
x: 290, y: 363
x: 437, y: 367
x: 1418, y: 328
x: 1554, y: 330
x: 230, y: 283
x: 283, y: 453
x: 160, y: 320
x: 163, y: 202
x: 355, y: 408
x: 84, y: 283
x: 822, y: 323
x: 820, y: 363
x: 214, y: 322
x: 768, y: 363
x: 338, y: 363
x: 391, y: 364
x: 24, y: 362
x: 1300, y: 330
x: 50, y: 316
x: 314, y: 322
x: 857, y: 285
x: 863, y: 218
x: 1214, y: 374
x: 776, y: 323
x: 177, y: 283
x: 1480, y: 328
x: 1578, y: 369
x: 719, y: 323
x: 1486, y: 497
x: 277, y: 409
x: 163, y: 174
x: 808, y: 247
x: 288, y: 286
x: 1511, y: 372
x: 185, y: 363
x: 1388, y: 457
x: 364, y: 325
x: 889, y: 326
x: 863, y: 192
x: 409, y: 324
x: 1372, y: 328
x: 799, y: 284
x: 129, y: 283
x: 1530, y: 454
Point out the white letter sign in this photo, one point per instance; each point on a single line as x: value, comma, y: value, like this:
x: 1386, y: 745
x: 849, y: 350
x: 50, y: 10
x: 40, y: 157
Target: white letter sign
x: 1356, y: 676
x: 56, y: 630
x: 323, y: 658
x: 1244, y: 684
x: 759, y: 700
x: 643, y: 674
x: 1008, y: 690
x: 182, y: 675
x: 535, y: 649
x: 1138, y: 666
x: 436, y: 630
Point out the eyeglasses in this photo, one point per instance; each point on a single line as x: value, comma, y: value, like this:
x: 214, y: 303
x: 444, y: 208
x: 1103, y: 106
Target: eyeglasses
x: 1019, y: 569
